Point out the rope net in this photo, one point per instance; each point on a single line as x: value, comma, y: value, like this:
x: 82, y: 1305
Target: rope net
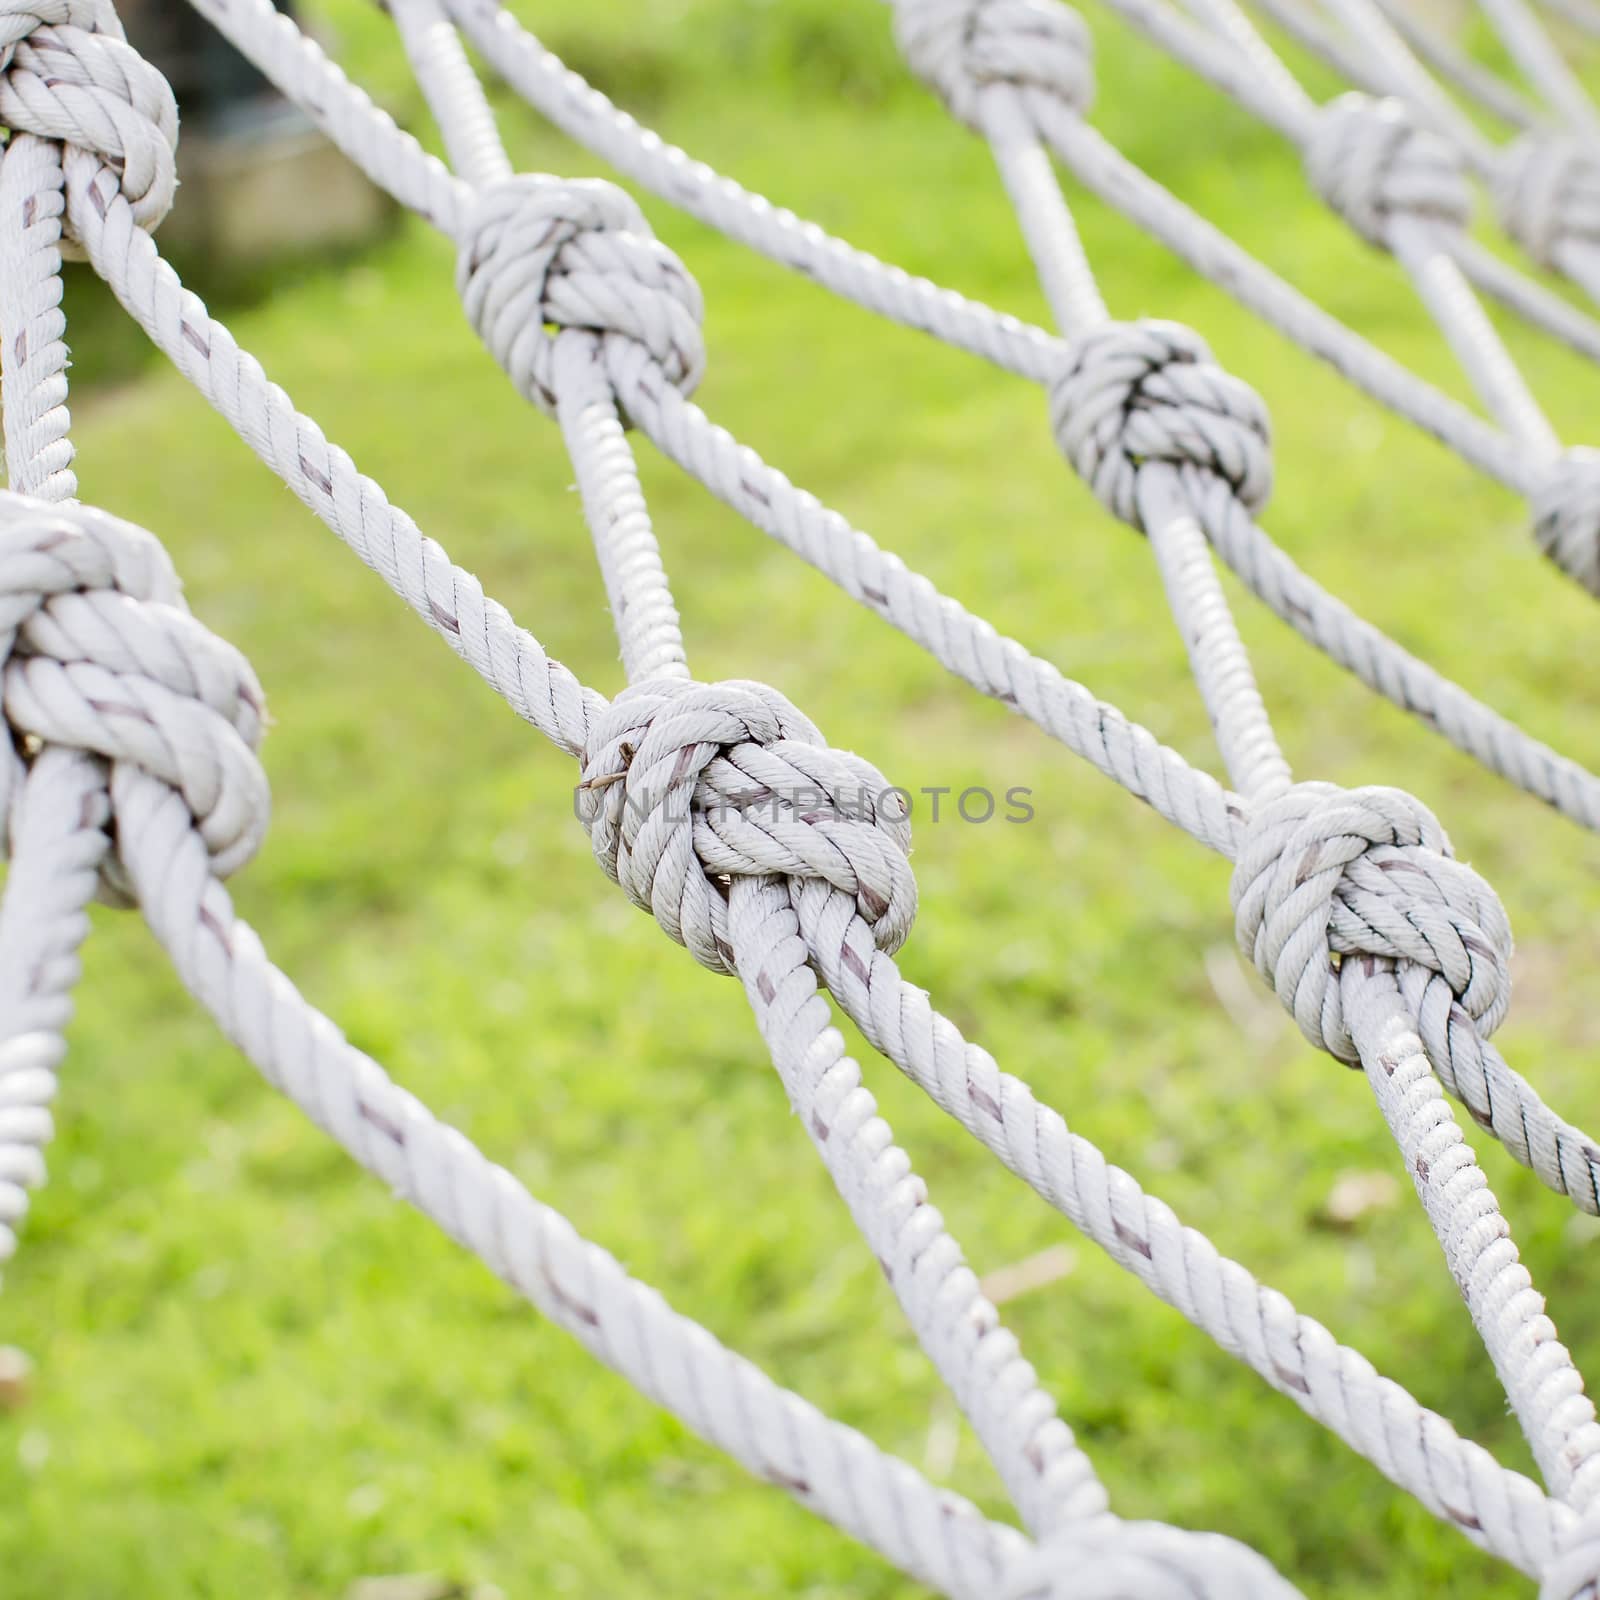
x: 131, y: 773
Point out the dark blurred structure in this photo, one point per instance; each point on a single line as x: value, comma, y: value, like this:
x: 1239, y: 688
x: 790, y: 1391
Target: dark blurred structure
x: 257, y: 179
x: 210, y: 78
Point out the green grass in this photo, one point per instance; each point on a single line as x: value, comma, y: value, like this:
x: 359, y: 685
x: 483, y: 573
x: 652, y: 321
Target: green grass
x: 258, y: 1375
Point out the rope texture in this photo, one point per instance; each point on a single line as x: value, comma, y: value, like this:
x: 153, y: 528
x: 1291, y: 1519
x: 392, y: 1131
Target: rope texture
x: 134, y: 774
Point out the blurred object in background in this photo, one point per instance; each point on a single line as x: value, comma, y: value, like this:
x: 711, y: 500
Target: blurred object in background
x: 16, y: 1374
x: 256, y: 178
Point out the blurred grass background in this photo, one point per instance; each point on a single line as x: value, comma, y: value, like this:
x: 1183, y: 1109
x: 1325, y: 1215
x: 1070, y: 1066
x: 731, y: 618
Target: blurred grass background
x: 256, y: 1374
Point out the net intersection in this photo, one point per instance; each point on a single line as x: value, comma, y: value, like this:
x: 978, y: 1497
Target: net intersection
x: 133, y: 775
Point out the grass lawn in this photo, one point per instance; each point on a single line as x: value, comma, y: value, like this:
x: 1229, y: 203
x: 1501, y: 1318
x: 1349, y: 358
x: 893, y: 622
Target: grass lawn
x: 256, y: 1374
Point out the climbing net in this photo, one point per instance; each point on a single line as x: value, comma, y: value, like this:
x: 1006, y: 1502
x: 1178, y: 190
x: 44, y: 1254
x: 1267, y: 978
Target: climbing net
x: 131, y: 771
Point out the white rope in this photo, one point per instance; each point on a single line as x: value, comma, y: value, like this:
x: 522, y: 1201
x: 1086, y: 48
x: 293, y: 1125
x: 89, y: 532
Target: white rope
x: 108, y: 638
x: 394, y: 160
x: 1535, y: 1369
x: 1443, y: 289
x: 946, y: 1578
x: 322, y: 475
x: 51, y: 821
x: 1293, y: 1353
x: 212, y: 340
x: 1222, y: 671
x: 451, y: 601
x: 58, y: 839
x: 1403, y: 76
x: 538, y: 252
x: 1528, y: 299
x: 267, y: 37
x: 1137, y: 397
x: 1386, y: 178
x: 1092, y: 400
x: 1546, y: 184
x: 818, y: 943
x: 1450, y: 61
x: 448, y: 598
x: 1376, y: 659
x: 1217, y: 656
x: 111, y: 683
x: 1562, y: 1155
x: 1357, y: 65
x: 1268, y: 98
x: 1366, y: 877
x: 1225, y: 18
x: 1060, y: 295
x: 453, y: 92
x: 364, y: 133
x: 630, y: 559
x: 1531, y: 48
x: 1582, y: 14
x: 662, y: 787
x: 33, y: 356
x: 1047, y: 1475
x: 1548, y: 194
x: 1398, y: 187
x: 1106, y: 173
x: 584, y: 114
x: 1545, y: 1390
x: 1140, y: 387
x: 929, y: 1533
x: 1396, y: 184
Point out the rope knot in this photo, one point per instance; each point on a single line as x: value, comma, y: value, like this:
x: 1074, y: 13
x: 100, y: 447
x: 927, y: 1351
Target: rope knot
x: 540, y: 253
x: 1324, y: 873
x: 686, y: 786
x: 1112, y: 1560
x: 960, y: 48
x: 1135, y: 392
x: 67, y: 73
x: 1547, y: 194
x: 98, y: 652
x: 1372, y: 163
x: 1566, y: 515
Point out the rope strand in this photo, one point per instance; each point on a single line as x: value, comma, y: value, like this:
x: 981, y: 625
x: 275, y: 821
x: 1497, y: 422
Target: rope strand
x: 1386, y: 950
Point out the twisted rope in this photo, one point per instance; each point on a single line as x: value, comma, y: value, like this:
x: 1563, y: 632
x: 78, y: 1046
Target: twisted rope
x: 833, y: 1470
x: 1144, y: 401
x: 1542, y: 64
x: 257, y: 29
x: 1388, y: 951
x: 1540, y: 182
x: 676, y: 766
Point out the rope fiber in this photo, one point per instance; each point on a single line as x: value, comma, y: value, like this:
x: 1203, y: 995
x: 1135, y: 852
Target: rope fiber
x: 132, y: 772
